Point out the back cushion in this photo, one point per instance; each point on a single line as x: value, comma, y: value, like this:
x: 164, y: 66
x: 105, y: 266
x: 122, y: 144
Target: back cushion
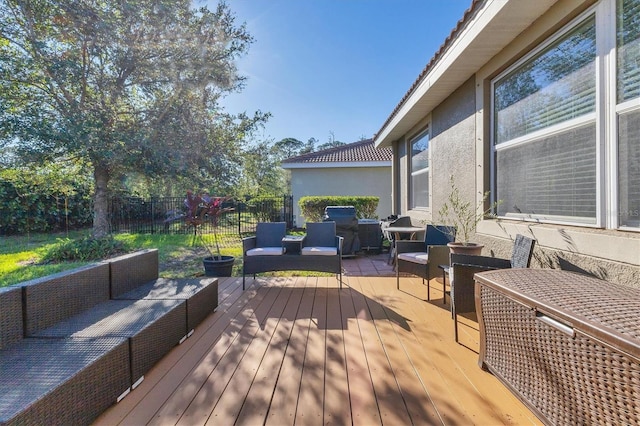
x: 270, y: 234
x: 53, y: 298
x: 320, y: 234
x: 11, y: 326
x: 438, y: 235
x: 132, y: 270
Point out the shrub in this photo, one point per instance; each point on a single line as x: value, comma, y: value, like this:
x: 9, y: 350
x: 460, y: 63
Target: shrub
x: 312, y: 207
x: 266, y: 209
x: 84, y: 249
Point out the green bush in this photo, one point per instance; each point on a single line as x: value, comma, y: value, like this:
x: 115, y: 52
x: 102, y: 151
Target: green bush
x: 266, y: 209
x: 312, y: 207
x: 84, y: 249
x: 44, y: 199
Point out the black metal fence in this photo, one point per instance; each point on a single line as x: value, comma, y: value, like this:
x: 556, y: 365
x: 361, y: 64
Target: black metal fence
x: 166, y: 215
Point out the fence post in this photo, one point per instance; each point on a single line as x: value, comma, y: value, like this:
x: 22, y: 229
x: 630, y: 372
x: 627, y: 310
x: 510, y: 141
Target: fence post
x: 239, y: 216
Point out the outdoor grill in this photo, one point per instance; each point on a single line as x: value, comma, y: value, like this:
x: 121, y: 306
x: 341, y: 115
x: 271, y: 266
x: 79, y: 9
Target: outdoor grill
x: 346, y: 227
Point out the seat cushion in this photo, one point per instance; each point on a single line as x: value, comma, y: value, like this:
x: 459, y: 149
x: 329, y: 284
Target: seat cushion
x: 319, y: 251
x: 415, y: 257
x: 265, y: 251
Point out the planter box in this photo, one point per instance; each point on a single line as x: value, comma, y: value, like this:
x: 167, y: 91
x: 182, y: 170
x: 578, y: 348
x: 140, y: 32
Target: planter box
x: 567, y: 345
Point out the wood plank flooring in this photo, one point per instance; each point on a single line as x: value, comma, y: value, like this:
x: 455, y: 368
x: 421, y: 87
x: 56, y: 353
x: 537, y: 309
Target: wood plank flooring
x: 301, y: 351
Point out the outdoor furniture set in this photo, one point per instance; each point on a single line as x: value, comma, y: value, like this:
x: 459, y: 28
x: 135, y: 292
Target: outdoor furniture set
x: 76, y: 342
x: 272, y: 250
x: 425, y: 258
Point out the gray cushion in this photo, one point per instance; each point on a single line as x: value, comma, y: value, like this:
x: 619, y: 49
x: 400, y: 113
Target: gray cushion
x: 320, y: 234
x: 270, y: 234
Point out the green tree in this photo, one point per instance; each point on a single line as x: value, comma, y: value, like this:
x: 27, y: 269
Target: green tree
x: 287, y: 148
x: 262, y: 172
x: 128, y: 86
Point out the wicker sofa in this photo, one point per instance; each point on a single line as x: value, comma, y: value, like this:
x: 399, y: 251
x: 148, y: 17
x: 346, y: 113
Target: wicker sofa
x: 320, y: 250
x: 74, y: 343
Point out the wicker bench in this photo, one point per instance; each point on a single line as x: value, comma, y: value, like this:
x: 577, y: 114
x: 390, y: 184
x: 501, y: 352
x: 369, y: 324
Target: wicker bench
x: 74, y: 343
x: 269, y: 238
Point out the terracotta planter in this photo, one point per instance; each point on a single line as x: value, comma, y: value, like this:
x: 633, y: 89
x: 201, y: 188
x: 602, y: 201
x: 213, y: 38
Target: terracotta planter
x: 468, y: 248
x: 222, y: 267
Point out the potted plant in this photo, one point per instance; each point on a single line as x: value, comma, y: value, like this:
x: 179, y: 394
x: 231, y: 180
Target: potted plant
x: 201, y: 208
x: 464, y: 216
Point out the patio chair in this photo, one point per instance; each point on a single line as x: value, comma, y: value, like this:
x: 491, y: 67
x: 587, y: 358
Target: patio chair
x: 422, y: 258
x: 266, y: 242
x: 390, y: 236
x: 324, y: 246
x: 464, y: 267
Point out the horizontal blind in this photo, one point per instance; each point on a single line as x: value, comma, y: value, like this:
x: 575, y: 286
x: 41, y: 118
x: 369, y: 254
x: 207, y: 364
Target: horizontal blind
x: 629, y: 168
x: 551, y: 178
x: 556, y: 85
x: 628, y: 48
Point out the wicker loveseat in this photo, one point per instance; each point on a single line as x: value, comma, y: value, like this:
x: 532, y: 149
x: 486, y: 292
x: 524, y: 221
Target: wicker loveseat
x: 320, y: 250
x: 69, y: 349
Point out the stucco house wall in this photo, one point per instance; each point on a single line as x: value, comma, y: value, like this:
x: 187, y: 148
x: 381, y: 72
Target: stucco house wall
x: 373, y: 181
x: 351, y: 169
x: 455, y: 103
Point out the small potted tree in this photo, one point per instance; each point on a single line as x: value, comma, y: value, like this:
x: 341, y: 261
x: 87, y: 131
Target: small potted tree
x: 202, y: 208
x: 464, y: 216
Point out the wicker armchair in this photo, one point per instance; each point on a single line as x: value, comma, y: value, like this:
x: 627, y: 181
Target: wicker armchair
x: 464, y: 267
x: 421, y: 258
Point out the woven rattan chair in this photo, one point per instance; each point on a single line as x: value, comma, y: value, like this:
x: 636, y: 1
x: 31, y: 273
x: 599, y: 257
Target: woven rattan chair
x: 464, y: 267
x: 421, y: 258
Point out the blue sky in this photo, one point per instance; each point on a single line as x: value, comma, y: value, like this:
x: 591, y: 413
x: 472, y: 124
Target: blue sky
x: 335, y: 67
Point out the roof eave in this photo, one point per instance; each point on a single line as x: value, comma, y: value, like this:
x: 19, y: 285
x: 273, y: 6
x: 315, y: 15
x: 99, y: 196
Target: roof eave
x: 336, y: 164
x: 490, y: 29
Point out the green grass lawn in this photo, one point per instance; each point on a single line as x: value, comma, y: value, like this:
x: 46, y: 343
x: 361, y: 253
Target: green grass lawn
x: 180, y: 257
x: 20, y: 257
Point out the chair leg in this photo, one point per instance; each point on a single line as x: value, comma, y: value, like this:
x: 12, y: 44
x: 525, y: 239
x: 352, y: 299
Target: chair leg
x: 398, y: 279
x: 444, y: 287
x: 455, y: 327
x: 428, y: 289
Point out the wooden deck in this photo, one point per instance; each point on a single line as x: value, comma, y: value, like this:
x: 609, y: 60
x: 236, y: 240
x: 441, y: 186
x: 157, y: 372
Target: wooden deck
x: 301, y: 351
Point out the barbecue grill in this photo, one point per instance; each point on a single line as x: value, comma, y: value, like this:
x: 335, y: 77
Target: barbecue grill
x: 346, y: 227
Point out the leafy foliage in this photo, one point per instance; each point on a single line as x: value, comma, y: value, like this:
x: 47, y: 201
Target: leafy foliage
x: 49, y: 197
x: 463, y: 215
x: 127, y: 86
x: 84, y: 249
x: 201, y: 208
x: 312, y: 207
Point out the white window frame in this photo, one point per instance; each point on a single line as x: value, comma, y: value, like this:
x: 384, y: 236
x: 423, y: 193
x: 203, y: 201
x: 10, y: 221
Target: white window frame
x: 605, y: 116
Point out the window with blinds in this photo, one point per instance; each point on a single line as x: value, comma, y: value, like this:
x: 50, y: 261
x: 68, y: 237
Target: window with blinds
x: 420, y: 171
x: 552, y: 120
x: 628, y: 110
x: 545, y: 132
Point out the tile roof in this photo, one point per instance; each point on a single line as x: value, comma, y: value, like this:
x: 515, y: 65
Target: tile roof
x: 361, y: 151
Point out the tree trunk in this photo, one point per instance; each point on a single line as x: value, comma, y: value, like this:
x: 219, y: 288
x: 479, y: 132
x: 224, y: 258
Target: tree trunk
x: 100, y: 203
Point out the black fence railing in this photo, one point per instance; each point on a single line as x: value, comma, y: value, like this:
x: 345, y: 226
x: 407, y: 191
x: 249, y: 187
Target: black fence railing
x: 166, y: 215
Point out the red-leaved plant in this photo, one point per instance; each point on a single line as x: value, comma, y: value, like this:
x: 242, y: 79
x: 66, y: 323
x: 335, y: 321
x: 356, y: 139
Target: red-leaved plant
x: 202, y: 208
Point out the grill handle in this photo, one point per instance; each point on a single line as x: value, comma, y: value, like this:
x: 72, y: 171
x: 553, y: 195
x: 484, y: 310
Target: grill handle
x: 560, y: 326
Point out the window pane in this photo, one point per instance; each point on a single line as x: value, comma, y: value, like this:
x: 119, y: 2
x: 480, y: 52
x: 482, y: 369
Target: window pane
x: 420, y: 171
x: 629, y: 168
x: 420, y: 153
x: 628, y: 35
x: 420, y: 185
x: 555, y: 86
x: 553, y: 178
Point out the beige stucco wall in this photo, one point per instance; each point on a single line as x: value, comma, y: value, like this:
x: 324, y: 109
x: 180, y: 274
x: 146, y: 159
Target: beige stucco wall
x: 460, y: 144
x: 375, y: 181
